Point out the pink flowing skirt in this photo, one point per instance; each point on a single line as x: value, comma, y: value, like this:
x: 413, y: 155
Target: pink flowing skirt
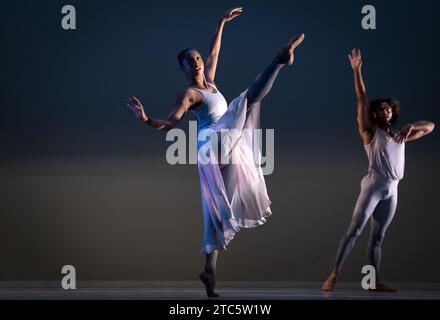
x: 234, y: 195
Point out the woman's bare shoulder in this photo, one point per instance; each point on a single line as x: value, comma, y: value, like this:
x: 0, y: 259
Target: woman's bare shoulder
x: 192, y: 95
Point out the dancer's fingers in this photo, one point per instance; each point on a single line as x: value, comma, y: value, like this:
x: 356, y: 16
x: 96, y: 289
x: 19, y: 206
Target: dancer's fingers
x: 231, y: 14
x: 133, y: 105
x: 131, y: 100
x: 136, y: 102
x: 136, y: 99
x: 234, y: 15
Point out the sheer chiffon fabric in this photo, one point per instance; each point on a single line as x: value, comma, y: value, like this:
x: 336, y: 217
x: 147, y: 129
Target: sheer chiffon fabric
x: 233, y: 192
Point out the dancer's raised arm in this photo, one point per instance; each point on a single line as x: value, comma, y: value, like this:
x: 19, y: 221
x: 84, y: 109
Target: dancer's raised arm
x: 366, y: 128
x: 214, y: 51
x: 183, y: 102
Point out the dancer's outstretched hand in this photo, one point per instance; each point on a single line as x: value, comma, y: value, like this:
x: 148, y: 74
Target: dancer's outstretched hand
x: 136, y: 106
x: 232, y: 14
x: 355, y: 59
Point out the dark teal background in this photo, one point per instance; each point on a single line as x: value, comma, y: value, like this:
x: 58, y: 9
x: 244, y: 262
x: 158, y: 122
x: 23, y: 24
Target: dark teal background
x: 83, y: 183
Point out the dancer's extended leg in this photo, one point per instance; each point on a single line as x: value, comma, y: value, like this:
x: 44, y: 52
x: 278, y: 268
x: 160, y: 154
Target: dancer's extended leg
x: 382, y: 217
x: 263, y: 83
x: 365, y: 206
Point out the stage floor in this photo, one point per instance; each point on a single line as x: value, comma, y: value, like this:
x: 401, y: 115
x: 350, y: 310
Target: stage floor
x: 227, y: 292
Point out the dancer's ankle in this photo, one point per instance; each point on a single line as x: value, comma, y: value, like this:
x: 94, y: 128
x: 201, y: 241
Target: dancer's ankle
x: 335, y: 273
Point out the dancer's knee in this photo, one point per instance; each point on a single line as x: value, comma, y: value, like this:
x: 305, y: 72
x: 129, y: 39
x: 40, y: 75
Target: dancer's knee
x: 354, y: 231
x: 351, y: 236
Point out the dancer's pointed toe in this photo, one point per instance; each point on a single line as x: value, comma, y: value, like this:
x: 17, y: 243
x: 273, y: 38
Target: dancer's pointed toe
x: 296, y: 41
x: 208, y: 279
x: 286, y: 56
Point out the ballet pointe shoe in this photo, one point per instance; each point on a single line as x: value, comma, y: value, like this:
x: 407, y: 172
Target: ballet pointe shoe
x: 286, y: 55
x: 208, y: 279
x: 330, y: 282
x: 380, y: 287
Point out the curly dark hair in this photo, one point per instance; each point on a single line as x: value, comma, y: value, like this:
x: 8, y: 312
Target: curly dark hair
x: 393, y: 103
x: 183, y: 54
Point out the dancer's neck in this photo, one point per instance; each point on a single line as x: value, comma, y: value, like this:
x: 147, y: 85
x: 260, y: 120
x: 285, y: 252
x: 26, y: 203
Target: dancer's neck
x: 384, y: 126
x: 200, y: 82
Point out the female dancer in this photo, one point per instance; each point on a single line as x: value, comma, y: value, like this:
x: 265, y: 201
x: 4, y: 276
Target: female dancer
x: 234, y: 196
x: 385, y: 149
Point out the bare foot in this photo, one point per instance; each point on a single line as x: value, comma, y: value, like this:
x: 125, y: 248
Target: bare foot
x: 208, y: 279
x: 330, y: 282
x: 286, y: 55
x: 380, y: 287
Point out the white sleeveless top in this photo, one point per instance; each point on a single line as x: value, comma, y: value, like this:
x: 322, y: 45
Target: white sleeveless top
x: 212, y: 108
x: 386, y: 156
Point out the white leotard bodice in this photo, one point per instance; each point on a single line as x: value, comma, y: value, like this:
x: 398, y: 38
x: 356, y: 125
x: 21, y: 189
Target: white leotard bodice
x: 210, y: 111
